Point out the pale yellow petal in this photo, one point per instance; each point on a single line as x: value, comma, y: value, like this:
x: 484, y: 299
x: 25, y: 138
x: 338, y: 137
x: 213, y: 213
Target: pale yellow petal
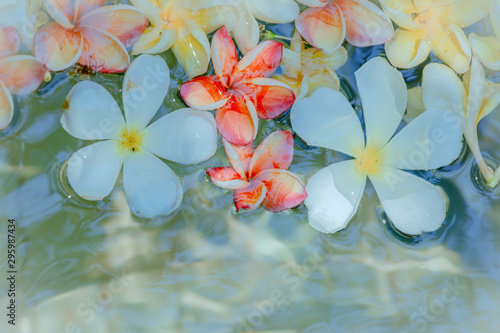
x: 192, y: 49
x: 215, y: 17
x: 408, y: 48
x: 495, y: 16
x: 154, y: 40
x: 452, y: 46
x: 486, y: 49
x: 400, y: 11
x: 415, y: 105
x: 464, y: 12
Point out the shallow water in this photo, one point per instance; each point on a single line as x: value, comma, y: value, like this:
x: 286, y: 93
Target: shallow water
x: 94, y: 267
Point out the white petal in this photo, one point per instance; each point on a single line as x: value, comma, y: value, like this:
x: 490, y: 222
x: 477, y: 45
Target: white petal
x: 91, y: 113
x: 412, y: 204
x: 326, y: 119
x: 94, y: 169
x: 6, y: 107
x: 314, y: 3
x: 477, y: 88
x: 495, y: 16
x: 246, y: 31
x: 150, y: 186
x: 145, y: 86
x: 276, y: 11
x: 384, y: 96
x: 441, y: 88
x: 430, y: 141
x: 183, y: 136
x: 333, y: 196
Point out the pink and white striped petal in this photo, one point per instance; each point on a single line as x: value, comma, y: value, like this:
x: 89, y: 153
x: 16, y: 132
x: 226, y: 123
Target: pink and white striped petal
x: 103, y: 52
x: 6, y: 107
x: 124, y: 22
x: 270, y: 97
x: 250, y: 197
x: 237, y: 121
x: 274, y: 152
x: 284, y: 190
x: 9, y: 41
x: 57, y: 47
x: 224, y: 55
x: 261, y: 61
x: 323, y: 27
x: 21, y: 74
x: 227, y: 177
x: 204, y: 93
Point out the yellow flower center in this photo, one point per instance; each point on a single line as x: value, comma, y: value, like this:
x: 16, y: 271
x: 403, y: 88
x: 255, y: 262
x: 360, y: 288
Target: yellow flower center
x: 130, y: 140
x: 368, y: 161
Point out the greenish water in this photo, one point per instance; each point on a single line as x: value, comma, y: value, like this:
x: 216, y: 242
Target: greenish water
x: 94, y: 267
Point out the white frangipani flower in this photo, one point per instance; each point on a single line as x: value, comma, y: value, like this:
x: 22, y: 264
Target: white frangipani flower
x: 326, y: 119
x: 183, y: 136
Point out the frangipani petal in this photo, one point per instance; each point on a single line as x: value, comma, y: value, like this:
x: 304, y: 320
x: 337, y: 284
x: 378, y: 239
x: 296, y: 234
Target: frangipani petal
x: 465, y: 12
x: 415, y: 104
x: 284, y: 190
x: 6, y: 107
x: 212, y: 17
x: 495, y: 16
x: 365, y: 23
x: 274, y: 152
x: 91, y: 113
x: 409, y: 48
x: 334, y: 194
x: 192, y: 49
x: 227, y: 177
x: 441, y: 88
x: 57, y: 47
x: 21, y: 74
x: 154, y: 40
x: 261, y: 61
x: 324, y: 78
x: 270, y: 97
x: 151, y: 187
x: 145, y: 86
x: 239, y: 157
x: 184, y: 136
x: 93, y: 170
x: 487, y: 50
x: 326, y: 119
x: 9, y: 41
x: 204, y: 93
x: 85, y: 6
x: 412, y: 204
x: 276, y: 11
x: 103, y: 52
x: 61, y: 11
x: 400, y: 12
x: 123, y: 22
x: 237, y: 121
x: 323, y: 28
x: 246, y: 31
x: 314, y: 3
x: 384, y: 96
x: 224, y: 55
x: 452, y: 46
x: 475, y: 80
x: 430, y: 141
x: 249, y: 197
x: 491, y: 99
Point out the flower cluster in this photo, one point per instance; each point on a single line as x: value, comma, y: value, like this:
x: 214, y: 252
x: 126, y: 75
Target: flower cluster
x: 239, y: 81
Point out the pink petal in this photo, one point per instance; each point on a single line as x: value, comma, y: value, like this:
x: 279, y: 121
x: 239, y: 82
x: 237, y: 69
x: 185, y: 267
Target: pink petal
x: 86, y: 6
x: 235, y: 121
x: 224, y: 55
x: 102, y: 52
x: 21, y: 74
x: 6, y: 107
x: 226, y: 177
x: 57, y: 47
x: 261, y: 61
x: 9, y: 41
x: 284, y: 190
x: 204, y: 93
x: 239, y: 156
x: 270, y: 97
x: 62, y: 11
x: 124, y: 22
x: 275, y: 152
x: 366, y: 24
x: 250, y: 197
x: 323, y: 27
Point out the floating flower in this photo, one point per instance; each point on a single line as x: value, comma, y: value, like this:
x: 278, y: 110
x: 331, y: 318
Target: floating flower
x: 25, y: 16
x: 326, y: 119
x: 259, y: 177
x: 246, y: 31
x: 240, y: 91
x: 435, y: 26
x: 470, y: 101
x: 307, y: 69
x: 183, y: 136
x: 329, y: 22
x: 487, y: 48
x: 86, y: 32
x: 19, y: 74
x: 183, y: 25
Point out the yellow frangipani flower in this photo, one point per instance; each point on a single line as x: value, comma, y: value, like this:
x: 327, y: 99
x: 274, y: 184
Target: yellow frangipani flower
x: 487, y: 48
x: 183, y: 25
